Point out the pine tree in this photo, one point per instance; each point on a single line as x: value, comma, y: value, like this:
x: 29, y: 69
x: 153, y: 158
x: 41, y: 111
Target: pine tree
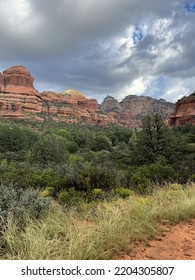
x: 153, y: 140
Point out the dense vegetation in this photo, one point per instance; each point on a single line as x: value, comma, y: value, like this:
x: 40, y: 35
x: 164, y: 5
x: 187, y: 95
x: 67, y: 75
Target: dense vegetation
x: 61, y: 159
x: 46, y: 164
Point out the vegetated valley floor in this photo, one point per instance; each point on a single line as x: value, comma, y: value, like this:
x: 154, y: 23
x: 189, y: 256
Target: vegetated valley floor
x: 177, y: 242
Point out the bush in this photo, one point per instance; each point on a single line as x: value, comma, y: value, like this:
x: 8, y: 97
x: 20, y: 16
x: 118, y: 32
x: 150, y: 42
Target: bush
x: 140, y: 183
x: 101, y: 142
x: 25, y: 175
x: 161, y: 172
x: 16, y: 203
x: 49, y: 191
x: 70, y: 197
x: 49, y: 149
x: 97, y: 194
x: 14, y: 138
x: 122, y: 192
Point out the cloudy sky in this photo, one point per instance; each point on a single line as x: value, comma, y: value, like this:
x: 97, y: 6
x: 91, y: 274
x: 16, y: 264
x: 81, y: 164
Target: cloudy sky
x: 101, y: 47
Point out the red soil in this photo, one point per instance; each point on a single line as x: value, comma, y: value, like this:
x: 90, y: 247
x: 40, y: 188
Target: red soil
x: 175, y: 243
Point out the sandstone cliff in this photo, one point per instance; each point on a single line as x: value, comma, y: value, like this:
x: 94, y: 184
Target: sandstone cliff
x: 20, y: 100
x: 184, y: 112
x: 131, y: 110
x: 18, y: 97
x: 110, y: 104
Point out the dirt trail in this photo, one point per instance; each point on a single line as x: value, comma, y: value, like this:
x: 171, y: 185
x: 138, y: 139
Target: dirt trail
x: 176, y: 243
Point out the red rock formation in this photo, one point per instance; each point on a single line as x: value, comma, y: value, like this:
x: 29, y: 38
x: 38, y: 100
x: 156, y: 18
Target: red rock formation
x: 71, y: 104
x: 18, y: 97
x: 1, y: 81
x: 126, y: 119
x: 110, y: 104
x: 18, y: 76
x: 20, y: 100
x: 131, y: 110
x: 184, y: 112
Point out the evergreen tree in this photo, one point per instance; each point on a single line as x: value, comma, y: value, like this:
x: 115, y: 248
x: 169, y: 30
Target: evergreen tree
x: 153, y: 140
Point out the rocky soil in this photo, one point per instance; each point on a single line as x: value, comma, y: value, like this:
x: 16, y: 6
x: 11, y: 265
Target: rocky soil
x: 175, y: 243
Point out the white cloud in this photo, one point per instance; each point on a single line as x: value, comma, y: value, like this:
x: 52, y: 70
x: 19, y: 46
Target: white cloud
x: 15, y: 12
x: 178, y: 88
x: 137, y: 87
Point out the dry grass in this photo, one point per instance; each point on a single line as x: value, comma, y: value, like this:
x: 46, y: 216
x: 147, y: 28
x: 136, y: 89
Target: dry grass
x: 101, y: 233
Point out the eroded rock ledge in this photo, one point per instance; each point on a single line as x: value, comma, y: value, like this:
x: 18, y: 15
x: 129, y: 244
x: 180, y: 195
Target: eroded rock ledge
x: 184, y: 111
x: 20, y: 100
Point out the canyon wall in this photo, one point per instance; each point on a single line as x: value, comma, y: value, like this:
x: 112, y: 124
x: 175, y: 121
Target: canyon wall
x: 131, y: 110
x: 19, y: 100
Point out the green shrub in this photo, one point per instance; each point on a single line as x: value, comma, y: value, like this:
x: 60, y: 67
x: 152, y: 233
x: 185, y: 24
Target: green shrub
x: 97, y: 194
x: 97, y: 191
x: 140, y: 183
x: 47, y: 192
x: 70, y: 196
x: 16, y: 203
x: 25, y: 175
x: 49, y: 149
x: 122, y: 192
x: 101, y: 142
x: 14, y: 138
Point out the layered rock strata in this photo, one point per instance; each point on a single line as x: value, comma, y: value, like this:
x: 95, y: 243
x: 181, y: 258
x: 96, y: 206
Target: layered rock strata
x: 20, y: 100
x: 18, y: 97
x: 131, y: 110
x: 184, y: 112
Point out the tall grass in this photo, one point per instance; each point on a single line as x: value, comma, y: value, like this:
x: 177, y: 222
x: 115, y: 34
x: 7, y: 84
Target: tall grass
x: 101, y: 232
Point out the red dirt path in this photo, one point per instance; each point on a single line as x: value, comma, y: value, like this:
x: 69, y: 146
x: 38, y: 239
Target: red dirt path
x: 176, y: 243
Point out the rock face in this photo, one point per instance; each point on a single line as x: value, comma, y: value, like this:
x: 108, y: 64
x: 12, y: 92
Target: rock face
x: 18, y: 97
x: 110, y: 104
x: 19, y: 100
x: 131, y: 110
x: 184, y: 112
x: 18, y: 76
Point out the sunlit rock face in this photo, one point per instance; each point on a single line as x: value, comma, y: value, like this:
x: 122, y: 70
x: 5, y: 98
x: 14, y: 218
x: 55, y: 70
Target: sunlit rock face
x: 184, y: 112
x: 20, y: 100
x: 18, y: 76
x: 18, y: 97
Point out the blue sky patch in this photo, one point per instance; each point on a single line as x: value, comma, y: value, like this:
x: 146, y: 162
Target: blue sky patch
x: 161, y: 84
x: 190, y: 6
x: 157, y: 87
x: 137, y: 35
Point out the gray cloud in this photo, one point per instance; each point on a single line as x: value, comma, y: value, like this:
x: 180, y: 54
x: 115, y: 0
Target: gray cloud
x: 49, y: 25
x: 72, y: 43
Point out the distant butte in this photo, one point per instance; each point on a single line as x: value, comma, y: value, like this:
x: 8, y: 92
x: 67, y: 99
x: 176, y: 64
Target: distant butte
x: 131, y: 110
x: 19, y: 100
